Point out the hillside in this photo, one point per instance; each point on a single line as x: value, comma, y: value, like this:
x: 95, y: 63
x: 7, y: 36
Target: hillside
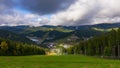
x: 49, y: 36
x: 15, y: 48
x: 14, y: 37
x: 60, y: 34
x: 104, y: 45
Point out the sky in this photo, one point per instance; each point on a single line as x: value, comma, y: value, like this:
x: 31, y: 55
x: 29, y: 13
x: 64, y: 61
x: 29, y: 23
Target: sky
x: 58, y: 12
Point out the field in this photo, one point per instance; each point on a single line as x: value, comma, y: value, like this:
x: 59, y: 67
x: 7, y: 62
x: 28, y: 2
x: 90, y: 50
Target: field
x: 68, y: 61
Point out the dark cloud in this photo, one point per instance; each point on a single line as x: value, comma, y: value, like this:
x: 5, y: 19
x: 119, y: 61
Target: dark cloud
x: 48, y: 12
x: 88, y: 17
x: 45, y: 6
x: 6, y: 4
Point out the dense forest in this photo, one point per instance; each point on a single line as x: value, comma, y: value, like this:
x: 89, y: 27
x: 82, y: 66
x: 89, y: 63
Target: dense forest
x: 14, y: 36
x: 104, y: 45
x: 10, y: 48
x: 98, y: 40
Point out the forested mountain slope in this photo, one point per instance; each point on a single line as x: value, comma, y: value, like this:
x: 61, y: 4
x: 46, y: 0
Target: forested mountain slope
x: 56, y: 34
x: 15, y: 37
x: 104, y: 45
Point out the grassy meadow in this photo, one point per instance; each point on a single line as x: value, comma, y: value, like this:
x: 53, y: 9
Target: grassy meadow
x: 66, y: 61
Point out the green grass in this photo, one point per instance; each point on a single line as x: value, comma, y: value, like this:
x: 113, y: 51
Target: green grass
x: 104, y: 30
x: 68, y: 61
x: 48, y: 29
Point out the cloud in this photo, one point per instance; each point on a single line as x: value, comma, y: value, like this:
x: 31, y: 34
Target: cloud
x: 85, y: 12
x: 59, y: 12
x: 14, y: 18
x: 45, y: 6
x: 9, y: 16
x: 6, y: 4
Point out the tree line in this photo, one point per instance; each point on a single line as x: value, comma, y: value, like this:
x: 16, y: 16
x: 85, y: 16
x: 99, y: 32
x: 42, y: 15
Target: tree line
x: 13, y: 48
x: 104, y: 45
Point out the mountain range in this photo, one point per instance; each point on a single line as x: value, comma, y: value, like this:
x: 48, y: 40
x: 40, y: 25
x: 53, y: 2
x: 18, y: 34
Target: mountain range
x: 47, y: 35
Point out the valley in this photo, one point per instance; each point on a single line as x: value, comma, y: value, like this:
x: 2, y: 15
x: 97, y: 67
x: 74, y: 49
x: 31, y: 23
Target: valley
x: 59, y: 34
x: 53, y: 46
x: 59, y: 39
x: 45, y: 35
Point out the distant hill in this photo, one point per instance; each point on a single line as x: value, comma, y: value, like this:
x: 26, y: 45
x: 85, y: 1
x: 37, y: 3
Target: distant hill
x: 58, y: 34
x: 28, y: 29
x: 14, y: 37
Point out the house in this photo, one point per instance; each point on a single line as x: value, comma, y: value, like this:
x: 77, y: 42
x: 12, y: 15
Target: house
x: 55, y: 51
x: 58, y: 50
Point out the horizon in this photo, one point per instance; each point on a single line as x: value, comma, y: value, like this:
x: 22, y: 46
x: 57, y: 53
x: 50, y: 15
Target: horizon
x: 57, y: 25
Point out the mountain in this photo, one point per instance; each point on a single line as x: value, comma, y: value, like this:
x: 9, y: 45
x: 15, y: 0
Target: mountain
x: 60, y: 34
x: 45, y: 27
x: 12, y: 44
x: 107, y: 45
x: 28, y: 29
x: 20, y: 40
x: 14, y: 29
x: 14, y: 37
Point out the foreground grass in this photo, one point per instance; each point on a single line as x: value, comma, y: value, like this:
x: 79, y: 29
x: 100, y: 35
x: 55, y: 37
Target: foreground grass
x: 68, y: 61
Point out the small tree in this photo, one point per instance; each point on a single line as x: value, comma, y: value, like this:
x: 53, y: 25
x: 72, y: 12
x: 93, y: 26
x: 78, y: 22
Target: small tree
x: 4, y: 47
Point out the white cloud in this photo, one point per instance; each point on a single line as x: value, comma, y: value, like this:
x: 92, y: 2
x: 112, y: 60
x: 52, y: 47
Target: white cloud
x: 79, y: 13
x: 88, y: 12
x: 14, y: 18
